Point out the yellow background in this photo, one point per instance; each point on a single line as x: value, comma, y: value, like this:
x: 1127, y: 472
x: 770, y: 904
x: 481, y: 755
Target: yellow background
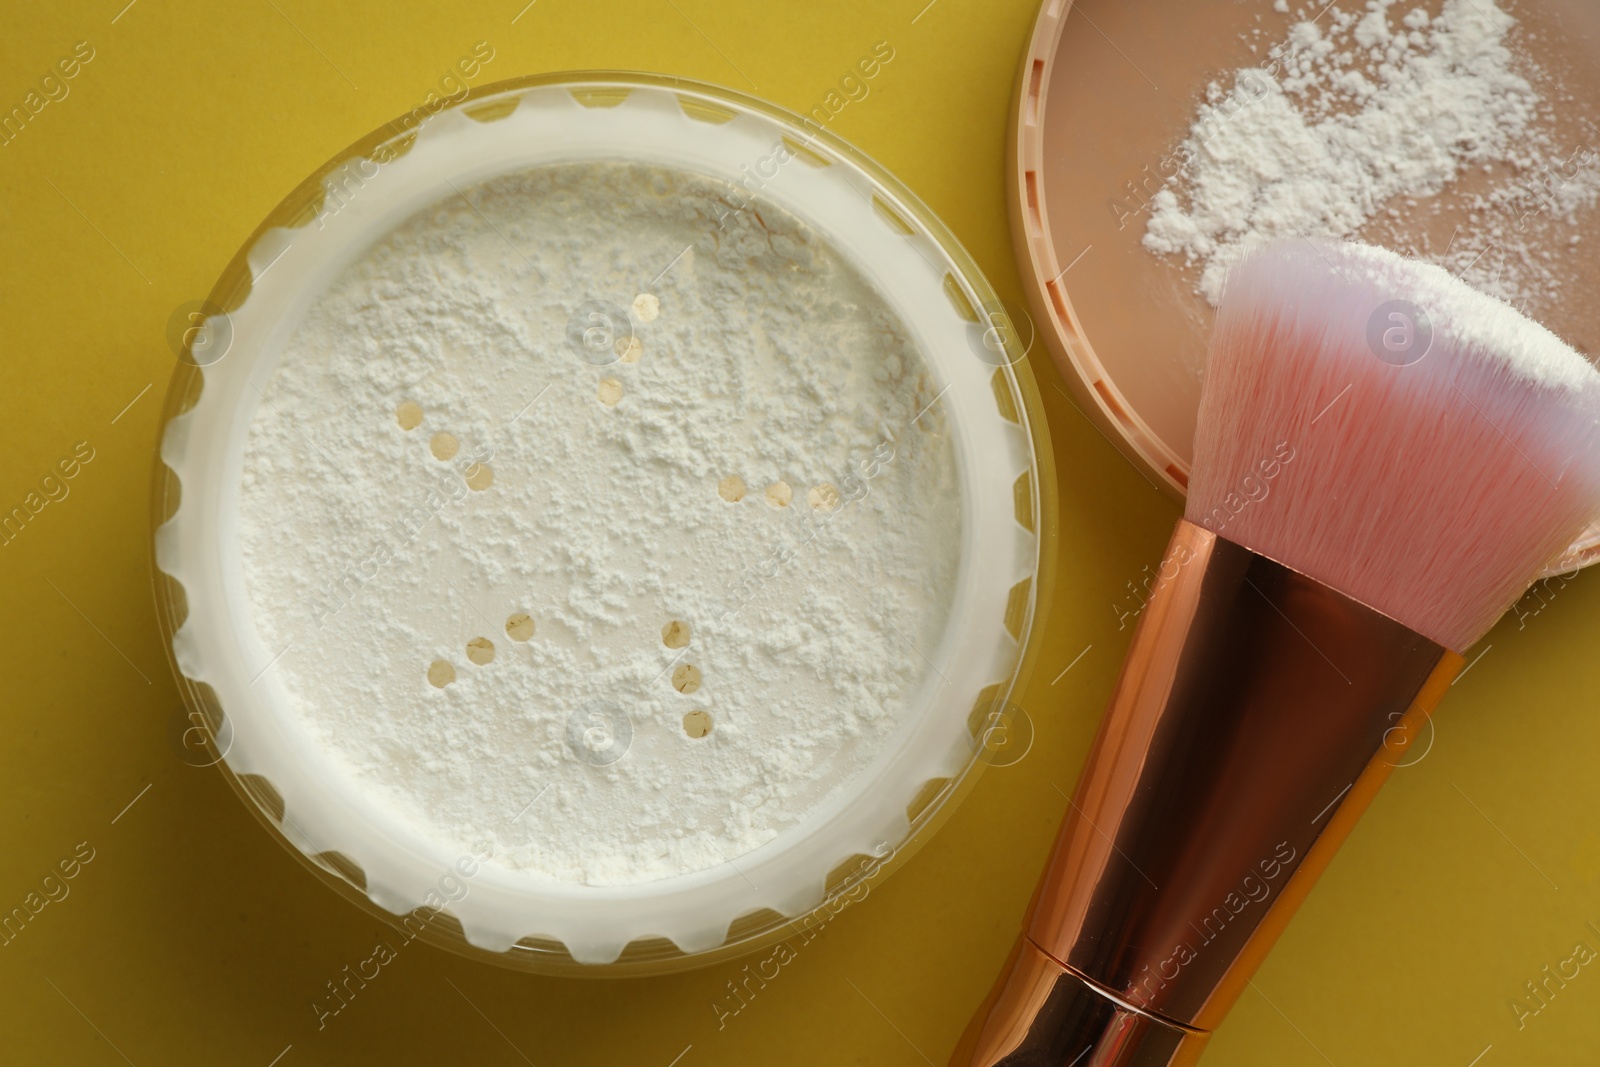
x: 193, y: 938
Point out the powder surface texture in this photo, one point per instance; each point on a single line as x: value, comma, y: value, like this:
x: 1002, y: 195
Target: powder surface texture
x: 1373, y: 121
x: 612, y: 622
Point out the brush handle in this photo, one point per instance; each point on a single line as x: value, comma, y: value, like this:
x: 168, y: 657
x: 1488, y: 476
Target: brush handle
x: 1256, y: 715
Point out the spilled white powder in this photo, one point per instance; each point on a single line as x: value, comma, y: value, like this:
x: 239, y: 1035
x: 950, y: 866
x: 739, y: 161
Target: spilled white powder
x: 1354, y: 125
x: 594, y: 501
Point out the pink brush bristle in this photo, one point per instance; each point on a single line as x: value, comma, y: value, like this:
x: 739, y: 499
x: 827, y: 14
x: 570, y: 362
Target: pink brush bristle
x: 1432, y: 489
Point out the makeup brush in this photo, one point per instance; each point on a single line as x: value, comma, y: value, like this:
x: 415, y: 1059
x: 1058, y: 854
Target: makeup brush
x: 1385, y: 459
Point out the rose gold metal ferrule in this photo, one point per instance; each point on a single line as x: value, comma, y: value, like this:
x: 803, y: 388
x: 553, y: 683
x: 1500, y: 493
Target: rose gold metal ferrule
x: 1256, y: 716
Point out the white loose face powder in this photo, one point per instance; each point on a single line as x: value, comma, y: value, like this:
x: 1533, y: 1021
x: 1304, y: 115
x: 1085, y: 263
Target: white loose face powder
x: 616, y: 622
x: 1375, y: 120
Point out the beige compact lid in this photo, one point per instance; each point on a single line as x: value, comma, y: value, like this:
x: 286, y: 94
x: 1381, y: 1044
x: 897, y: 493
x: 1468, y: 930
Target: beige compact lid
x: 1106, y: 93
